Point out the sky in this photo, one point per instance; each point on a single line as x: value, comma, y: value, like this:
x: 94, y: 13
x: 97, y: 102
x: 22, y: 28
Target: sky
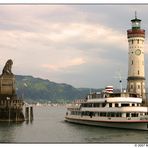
x: 81, y: 45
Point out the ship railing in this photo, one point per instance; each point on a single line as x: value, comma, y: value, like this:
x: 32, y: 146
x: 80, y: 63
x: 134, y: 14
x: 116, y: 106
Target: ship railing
x: 79, y: 101
x: 73, y: 106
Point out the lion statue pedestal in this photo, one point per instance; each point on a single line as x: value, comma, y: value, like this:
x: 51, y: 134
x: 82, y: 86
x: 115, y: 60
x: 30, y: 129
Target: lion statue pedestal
x: 11, y: 107
x: 7, y: 85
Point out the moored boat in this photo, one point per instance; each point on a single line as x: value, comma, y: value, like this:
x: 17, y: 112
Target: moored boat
x: 120, y: 110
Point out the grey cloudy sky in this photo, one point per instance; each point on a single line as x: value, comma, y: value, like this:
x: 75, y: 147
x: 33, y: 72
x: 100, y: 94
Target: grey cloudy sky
x: 82, y: 45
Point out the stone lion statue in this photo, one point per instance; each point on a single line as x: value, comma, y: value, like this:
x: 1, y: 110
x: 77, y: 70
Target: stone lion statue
x: 7, y: 68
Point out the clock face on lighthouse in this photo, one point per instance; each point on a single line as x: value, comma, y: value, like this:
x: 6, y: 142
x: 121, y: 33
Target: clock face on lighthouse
x: 138, y: 52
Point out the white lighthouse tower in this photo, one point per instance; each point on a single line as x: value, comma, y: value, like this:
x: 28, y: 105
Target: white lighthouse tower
x: 136, y: 75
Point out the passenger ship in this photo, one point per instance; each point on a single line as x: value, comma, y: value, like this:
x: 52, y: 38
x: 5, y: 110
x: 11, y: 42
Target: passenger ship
x: 108, y: 109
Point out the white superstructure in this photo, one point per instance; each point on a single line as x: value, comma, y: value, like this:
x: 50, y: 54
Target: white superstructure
x: 120, y: 110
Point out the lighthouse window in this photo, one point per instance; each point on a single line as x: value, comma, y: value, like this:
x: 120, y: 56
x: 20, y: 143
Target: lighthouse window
x: 132, y: 41
x: 132, y: 62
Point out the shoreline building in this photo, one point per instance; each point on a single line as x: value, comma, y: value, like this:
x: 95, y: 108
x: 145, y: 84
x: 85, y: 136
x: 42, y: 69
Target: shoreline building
x: 136, y: 74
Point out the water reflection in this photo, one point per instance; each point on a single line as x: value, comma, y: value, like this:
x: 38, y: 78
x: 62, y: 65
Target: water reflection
x: 49, y: 126
x: 96, y: 134
x: 8, y: 131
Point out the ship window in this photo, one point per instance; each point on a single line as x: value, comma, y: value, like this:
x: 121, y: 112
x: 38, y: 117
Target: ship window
x: 103, y: 105
x: 82, y: 113
x: 123, y: 105
x: 112, y: 114
x: 115, y: 95
x: 128, y: 115
x: 134, y: 115
x: 103, y: 114
x: 91, y: 114
x: 141, y: 114
x: 89, y: 105
x: 118, y: 115
x: 84, y: 105
x: 100, y: 114
x: 72, y: 113
x: 116, y: 105
x: 96, y: 104
x: 108, y: 114
x: 110, y: 104
x: 85, y: 113
x: 133, y: 95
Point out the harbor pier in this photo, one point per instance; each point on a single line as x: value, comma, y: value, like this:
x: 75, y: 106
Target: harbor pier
x: 29, y: 113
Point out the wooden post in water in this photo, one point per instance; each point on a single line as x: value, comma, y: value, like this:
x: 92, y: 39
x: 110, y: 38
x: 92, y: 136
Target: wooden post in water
x: 31, y: 113
x: 27, y: 113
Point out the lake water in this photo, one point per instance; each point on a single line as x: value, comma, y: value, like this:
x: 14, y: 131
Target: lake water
x: 49, y: 127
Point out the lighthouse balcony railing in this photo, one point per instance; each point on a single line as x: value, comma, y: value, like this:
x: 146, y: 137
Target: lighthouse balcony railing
x: 136, y: 31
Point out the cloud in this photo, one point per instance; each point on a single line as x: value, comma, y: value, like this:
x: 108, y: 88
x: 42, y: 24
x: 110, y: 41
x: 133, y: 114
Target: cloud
x: 66, y: 42
x: 65, y: 64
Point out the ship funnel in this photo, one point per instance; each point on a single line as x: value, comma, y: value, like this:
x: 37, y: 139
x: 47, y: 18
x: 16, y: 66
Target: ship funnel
x: 109, y: 89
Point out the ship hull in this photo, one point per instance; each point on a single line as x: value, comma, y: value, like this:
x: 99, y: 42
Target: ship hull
x: 138, y: 125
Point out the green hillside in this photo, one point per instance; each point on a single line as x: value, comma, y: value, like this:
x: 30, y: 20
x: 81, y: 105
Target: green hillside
x: 40, y: 90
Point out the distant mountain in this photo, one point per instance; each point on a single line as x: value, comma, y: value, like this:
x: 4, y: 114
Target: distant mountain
x: 40, y: 90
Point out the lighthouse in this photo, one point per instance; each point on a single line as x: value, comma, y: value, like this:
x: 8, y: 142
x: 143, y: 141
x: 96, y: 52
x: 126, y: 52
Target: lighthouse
x: 136, y: 74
